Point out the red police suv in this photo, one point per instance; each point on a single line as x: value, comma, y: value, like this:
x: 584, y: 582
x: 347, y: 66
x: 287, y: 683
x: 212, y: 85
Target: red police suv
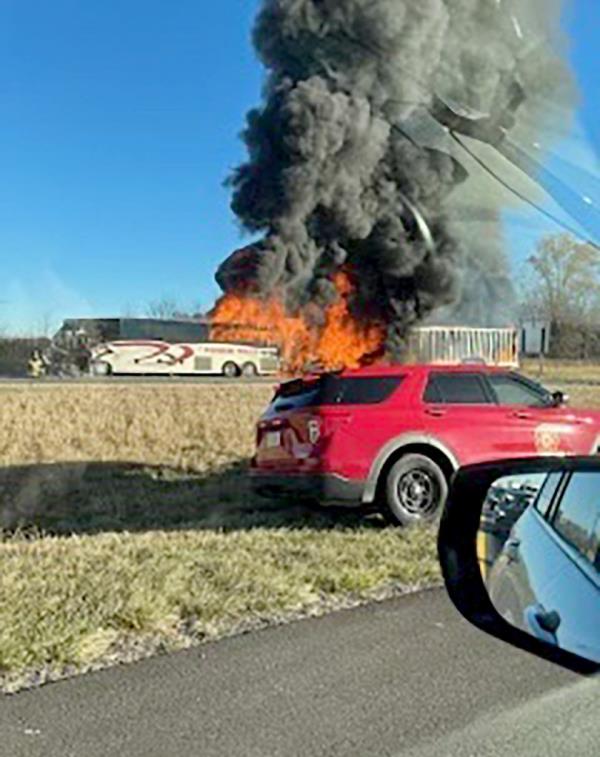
x: 392, y: 436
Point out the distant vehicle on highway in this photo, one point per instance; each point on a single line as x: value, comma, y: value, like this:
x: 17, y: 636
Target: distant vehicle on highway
x: 148, y: 357
x: 392, y: 436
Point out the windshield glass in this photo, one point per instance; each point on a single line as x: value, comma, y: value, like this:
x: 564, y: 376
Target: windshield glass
x: 259, y: 259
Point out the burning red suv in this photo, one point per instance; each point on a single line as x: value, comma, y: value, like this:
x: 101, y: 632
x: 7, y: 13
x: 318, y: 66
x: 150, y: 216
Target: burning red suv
x: 392, y: 436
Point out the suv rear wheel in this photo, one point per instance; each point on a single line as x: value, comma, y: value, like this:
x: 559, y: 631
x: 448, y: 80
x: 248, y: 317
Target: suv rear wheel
x: 415, y: 489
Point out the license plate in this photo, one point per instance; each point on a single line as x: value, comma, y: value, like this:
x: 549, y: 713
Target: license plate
x: 273, y: 439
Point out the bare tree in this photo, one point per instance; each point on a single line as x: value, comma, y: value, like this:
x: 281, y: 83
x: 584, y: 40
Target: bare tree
x: 167, y: 308
x: 562, y: 287
x: 46, y: 325
x: 164, y: 308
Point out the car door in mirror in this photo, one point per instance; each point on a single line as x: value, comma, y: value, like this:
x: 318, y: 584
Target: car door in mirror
x: 539, y: 553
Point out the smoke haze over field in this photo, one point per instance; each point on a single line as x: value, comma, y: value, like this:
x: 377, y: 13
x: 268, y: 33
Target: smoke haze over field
x: 349, y: 166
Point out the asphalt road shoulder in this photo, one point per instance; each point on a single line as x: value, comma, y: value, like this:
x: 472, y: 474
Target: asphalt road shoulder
x: 381, y: 679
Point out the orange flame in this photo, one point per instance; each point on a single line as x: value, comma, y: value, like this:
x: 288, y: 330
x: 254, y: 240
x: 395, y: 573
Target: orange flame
x: 344, y: 342
x: 341, y: 342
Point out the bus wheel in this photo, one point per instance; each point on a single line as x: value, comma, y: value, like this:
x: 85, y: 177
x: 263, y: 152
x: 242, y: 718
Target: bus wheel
x: 230, y: 370
x: 249, y: 371
x: 101, y: 369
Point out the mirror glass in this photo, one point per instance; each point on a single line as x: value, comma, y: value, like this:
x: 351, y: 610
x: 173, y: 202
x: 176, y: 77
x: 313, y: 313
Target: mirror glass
x: 538, y: 547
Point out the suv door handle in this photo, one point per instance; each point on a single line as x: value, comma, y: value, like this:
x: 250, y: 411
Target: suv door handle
x: 522, y: 415
x: 435, y: 412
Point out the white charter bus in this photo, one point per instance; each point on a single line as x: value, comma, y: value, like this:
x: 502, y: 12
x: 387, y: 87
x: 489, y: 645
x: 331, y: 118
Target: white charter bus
x: 155, y: 346
x: 155, y: 358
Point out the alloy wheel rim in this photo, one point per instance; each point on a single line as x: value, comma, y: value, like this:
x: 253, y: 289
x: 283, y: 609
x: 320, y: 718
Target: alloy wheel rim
x: 417, y: 492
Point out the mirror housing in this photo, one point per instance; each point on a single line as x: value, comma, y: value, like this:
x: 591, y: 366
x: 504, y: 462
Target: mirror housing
x: 560, y: 398
x: 457, y: 549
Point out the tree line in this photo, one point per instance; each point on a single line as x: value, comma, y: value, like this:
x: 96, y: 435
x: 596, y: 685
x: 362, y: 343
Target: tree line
x: 562, y: 288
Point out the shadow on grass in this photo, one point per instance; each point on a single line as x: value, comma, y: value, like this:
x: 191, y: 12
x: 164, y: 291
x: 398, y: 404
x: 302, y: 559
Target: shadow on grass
x: 67, y: 498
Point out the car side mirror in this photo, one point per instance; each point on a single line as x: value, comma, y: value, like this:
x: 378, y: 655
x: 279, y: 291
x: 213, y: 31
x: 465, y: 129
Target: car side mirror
x: 519, y: 546
x: 560, y: 398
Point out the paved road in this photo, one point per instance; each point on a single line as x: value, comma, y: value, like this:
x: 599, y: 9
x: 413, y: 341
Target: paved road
x: 98, y: 380
x: 407, y: 677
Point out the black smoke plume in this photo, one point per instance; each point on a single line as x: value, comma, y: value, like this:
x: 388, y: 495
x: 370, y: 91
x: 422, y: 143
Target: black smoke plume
x: 352, y: 162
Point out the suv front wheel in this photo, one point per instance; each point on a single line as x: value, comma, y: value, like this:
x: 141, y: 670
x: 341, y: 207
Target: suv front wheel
x: 415, y: 490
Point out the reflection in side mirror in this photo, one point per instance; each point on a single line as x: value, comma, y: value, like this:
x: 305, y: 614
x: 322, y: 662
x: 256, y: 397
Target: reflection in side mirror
x: 538, y: 548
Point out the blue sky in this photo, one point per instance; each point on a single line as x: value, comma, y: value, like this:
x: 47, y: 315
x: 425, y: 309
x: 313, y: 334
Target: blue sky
x: 120, y: 121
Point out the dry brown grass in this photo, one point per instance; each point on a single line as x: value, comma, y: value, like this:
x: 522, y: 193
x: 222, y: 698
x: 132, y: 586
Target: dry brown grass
x: 583, y: 396
x: 189, y: 427
x: 550, y: 371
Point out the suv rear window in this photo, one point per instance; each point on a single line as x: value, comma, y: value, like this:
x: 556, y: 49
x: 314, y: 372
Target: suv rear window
x: 336, y: 390
x: 456, y: 388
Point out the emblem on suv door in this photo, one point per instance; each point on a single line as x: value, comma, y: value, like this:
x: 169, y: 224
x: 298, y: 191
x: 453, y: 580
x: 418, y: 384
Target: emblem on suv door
x: 548, y: 438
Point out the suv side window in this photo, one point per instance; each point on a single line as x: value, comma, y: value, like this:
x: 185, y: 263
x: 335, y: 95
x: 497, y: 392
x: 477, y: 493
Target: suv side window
x: 512, y: 390
x: 546, y: 494
x: 358, y: 391
x: 576, y: 518
x: 457, y: 389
